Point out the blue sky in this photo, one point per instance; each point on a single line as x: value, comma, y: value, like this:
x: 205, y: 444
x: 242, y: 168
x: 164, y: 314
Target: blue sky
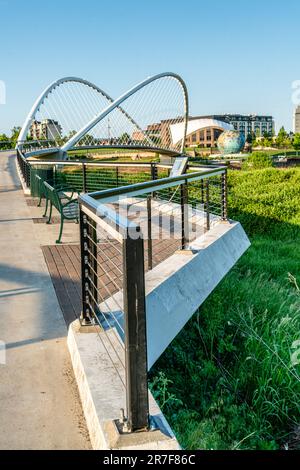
x: 235, y: 56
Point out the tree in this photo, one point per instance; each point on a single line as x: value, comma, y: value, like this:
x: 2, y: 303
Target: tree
x: 15, y: 134
x: 4, y: 138
x: 125, y: 139
x: 250, y: 138
x: 296, y: 141
x: 4, y: 142
x: 267, y: 142
x: 282, y: 139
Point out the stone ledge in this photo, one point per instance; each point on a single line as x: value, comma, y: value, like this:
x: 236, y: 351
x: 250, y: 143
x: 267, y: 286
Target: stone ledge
x: 102, y: 394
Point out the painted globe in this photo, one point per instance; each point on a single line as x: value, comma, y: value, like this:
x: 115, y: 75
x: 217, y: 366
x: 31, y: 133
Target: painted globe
x: 231, y: 142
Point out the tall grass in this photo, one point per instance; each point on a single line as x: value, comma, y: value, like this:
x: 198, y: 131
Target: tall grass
x: 229, y: 374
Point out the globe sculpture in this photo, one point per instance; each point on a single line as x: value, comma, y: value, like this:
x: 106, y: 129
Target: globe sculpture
x: 230, y: 142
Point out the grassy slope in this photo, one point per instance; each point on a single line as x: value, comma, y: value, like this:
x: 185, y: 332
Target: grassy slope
x: 227, y: 381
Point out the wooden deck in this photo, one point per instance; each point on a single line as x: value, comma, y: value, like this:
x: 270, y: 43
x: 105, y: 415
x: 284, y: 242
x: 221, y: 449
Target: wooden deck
x: 63, y: 263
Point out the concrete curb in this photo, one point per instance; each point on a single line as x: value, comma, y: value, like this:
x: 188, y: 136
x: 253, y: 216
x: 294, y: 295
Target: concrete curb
x: 102, y: 395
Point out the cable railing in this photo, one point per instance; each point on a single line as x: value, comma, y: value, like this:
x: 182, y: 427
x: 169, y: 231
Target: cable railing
x: 25, y: 168
x: 91, y: 176
x: 125, y: 232
x: 113, y: 296
x: 133, y: 217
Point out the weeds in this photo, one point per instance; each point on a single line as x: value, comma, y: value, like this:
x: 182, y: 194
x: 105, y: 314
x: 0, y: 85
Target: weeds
x: 229, y: 380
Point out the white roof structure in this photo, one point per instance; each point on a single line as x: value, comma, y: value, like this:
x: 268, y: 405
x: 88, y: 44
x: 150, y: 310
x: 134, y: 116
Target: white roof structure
x: 194, y: 125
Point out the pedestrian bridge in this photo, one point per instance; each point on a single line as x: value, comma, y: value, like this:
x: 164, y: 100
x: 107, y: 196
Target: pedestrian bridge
x: 73, y: 113
x: 150, y: 247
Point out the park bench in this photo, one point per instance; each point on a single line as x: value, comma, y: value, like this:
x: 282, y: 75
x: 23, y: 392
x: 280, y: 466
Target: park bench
x: 41, y: 192
x: 40, y: 188
x: 66, y: 204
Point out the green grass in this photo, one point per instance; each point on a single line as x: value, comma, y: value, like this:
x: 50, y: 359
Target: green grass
x: 115, y: 155
x: 227, y: 380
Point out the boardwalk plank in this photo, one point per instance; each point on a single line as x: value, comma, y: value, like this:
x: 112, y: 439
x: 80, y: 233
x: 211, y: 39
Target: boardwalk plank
x: 64, y: 266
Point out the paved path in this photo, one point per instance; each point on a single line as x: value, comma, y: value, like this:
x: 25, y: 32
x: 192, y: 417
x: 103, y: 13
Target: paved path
x: 39, y: 405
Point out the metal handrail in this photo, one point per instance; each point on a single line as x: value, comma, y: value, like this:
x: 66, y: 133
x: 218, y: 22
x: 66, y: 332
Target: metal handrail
x: 94, y: 203
x: 114, y: 223
x: 111, y: 164
x: 108, y: 195
x: 80, y: 163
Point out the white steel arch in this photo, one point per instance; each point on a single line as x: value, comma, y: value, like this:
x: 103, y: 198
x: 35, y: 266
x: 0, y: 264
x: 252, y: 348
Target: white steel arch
x: 82, y: 132
x: 50, y: 88
x: 162, y: 99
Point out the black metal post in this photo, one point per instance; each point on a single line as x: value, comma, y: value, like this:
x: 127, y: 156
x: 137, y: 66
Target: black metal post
x: 28, y: 174
x: 224, y: 195
x: 117, y: 176
x: 135, y: 334
x: 23, y: 168
x: 207, y: 204
x: 202, y: 190
x: 93, y: 257
x: 85, y: 317
x: 154, y: 173
x: 149, y: 232
x: 84, y: 186
x: 184, y: 215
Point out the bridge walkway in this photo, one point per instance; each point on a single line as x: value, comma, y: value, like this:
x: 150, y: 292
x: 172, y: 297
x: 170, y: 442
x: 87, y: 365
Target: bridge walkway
x: 40, y: 407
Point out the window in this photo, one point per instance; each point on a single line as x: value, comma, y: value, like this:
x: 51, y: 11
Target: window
x: 217, y: 133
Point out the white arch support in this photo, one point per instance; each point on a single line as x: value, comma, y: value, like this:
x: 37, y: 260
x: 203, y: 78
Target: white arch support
x: 75, y: 106
x: 82, y: 132
x: 40, y: 100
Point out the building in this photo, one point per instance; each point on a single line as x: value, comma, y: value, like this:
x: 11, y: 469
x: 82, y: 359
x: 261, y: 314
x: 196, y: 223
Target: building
x: 297, y: 120
x: 153, y: 132
x: 248, y: 124
x: 203, y: 132
x: 48, y: 129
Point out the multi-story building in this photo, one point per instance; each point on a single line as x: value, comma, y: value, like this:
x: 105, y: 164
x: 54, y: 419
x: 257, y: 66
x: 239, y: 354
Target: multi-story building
x: 297, y: 120
x: 202, y: 132
x: 248, y: 124
x: 48, y: 129
x: 153, y: 131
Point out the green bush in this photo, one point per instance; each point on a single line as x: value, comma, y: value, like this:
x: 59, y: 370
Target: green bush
x: 257, y: 161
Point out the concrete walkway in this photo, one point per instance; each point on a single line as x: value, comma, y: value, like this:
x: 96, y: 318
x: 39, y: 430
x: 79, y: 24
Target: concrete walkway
x: 39, y: 404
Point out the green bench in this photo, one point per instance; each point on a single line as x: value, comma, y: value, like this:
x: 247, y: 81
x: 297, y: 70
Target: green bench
x: 41, y: 193
x: 39, y: 188
x: 66, y: 205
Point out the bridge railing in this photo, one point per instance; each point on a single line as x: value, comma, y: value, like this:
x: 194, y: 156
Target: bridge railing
x: 113, y: 297
x: 92, y: 176
x: 123, y: 236
x: 133, y: 216
x: 25, y: 168
x: 26, y: 146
